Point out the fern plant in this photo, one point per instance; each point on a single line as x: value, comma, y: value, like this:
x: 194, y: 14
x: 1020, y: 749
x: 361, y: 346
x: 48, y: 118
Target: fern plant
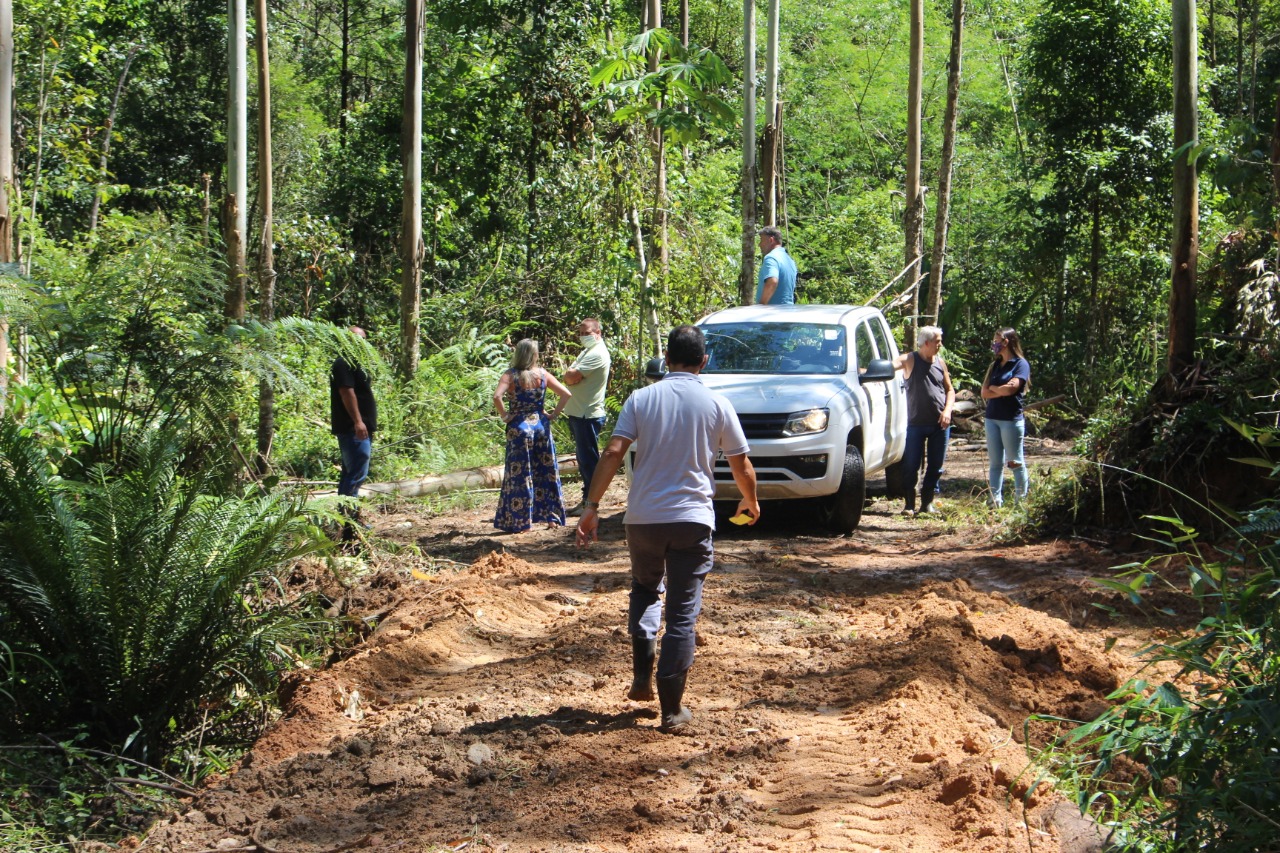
x: 131, y: 598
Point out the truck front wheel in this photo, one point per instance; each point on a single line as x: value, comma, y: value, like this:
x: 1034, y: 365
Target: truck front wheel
x: 844, y: 508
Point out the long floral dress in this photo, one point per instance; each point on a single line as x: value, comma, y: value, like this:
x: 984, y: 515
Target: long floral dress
x: 531, y: 482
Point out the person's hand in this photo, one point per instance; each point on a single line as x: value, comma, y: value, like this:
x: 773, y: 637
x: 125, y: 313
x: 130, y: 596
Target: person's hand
x: 944, y: 419
x: 751, y: 508
x: 588, y: 527
x: 361, y: 431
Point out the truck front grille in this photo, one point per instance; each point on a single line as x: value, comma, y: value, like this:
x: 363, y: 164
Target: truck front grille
x: 763, y: 426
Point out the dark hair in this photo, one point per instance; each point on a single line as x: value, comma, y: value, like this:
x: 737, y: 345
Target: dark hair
x: 771, y: 231
x: 686, y: 346
x: 1013, y: 342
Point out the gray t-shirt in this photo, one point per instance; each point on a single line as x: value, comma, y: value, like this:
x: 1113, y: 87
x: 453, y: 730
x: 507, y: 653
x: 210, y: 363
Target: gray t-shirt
x: 678, y: 426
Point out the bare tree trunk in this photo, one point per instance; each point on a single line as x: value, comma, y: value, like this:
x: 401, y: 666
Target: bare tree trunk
x: 411, y: 248
x: 106, y: 137
x: 266, y: 256
x: 1239, y: 58
x: 684, y: 22
x: 345, y: 76
x: 648, y: 313
x: 1095, y: 280
x: 207, y: 180
x: 6, y: 177
x: 1253, y: 64
x: 934, y: 305
x: 912, y: 217
x: 235, y: 221
x: 1186, y: 232
x: 42, y: 105
x: 746, y: 276
x: 658, y: 142
x: 769, y: 156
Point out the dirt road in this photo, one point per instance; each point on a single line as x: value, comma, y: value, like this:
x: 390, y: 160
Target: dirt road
x: 862, y: 693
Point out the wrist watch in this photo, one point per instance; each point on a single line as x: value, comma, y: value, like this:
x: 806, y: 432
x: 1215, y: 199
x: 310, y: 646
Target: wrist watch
x: 590, y: 504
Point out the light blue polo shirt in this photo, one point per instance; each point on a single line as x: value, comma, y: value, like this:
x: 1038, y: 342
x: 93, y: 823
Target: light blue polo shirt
x: 678, y: 426
x: 778, y: 264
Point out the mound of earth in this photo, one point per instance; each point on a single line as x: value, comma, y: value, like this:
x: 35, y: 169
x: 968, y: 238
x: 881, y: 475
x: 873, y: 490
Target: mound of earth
x: 862, y: 693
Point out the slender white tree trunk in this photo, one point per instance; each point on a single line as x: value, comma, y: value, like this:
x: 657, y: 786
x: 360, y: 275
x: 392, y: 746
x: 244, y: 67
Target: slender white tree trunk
x: 106, y: 138
x: 746, y: 276
x: 934, y: 306
x: 770, y: 154
x: 235, y: 215
x: 411, y: 247
x: 912, y: 218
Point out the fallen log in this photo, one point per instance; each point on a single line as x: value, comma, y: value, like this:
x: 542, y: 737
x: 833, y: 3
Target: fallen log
x: 487, y: 477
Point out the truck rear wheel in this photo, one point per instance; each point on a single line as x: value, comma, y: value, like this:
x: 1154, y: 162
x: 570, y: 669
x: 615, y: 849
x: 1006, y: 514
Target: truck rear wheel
x: 844, y: 508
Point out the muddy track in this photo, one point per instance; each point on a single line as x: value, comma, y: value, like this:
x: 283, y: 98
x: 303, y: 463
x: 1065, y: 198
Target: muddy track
x: 865, y: 693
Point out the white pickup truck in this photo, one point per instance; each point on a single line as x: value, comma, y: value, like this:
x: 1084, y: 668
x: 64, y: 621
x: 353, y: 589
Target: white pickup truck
x: 818, y: 398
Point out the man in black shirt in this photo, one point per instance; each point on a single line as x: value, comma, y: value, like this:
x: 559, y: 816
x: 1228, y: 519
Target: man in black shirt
x: 353, y: 415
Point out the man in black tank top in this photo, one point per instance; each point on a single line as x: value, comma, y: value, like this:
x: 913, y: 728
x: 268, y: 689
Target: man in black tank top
x: 930, y: 398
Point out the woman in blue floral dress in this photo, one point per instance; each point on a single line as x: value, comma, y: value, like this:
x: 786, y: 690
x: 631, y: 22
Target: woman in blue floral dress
x: 531, y: 480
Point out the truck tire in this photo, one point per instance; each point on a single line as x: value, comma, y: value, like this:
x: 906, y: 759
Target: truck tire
x: 844, y: 508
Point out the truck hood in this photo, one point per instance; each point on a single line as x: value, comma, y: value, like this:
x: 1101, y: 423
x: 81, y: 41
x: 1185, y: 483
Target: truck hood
x: 770, y: 394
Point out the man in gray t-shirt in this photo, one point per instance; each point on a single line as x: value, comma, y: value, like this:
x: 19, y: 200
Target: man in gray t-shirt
x: 680, y: 426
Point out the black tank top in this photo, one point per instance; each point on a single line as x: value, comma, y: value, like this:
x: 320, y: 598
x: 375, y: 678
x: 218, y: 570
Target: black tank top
x: 926, y: 391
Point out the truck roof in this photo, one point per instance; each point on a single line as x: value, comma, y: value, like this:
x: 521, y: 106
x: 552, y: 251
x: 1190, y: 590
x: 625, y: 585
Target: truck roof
x: 790, y: 314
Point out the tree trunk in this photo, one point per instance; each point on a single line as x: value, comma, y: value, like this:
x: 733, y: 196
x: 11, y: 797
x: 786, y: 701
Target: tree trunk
x: 1186, y: 233
x: 345, y: 76
x: 746, y: 275
x: 266, y: 256
x: 648, y: 313
x: 1095, y: 277
x: 6, y: 177
x: 684, y: 22
x: 657, y: 140
x: 934, y: 304
x: 912, y: 217
x: 106, y: 137
x: 411, y: 249
x: 235, y: 222
x: 769, y: 158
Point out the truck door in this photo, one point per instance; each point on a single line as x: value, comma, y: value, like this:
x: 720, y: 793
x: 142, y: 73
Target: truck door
x: 876, y: 395
x: 895, y: 426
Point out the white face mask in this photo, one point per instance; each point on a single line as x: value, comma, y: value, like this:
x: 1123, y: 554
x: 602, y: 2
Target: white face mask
x: 587, y: 340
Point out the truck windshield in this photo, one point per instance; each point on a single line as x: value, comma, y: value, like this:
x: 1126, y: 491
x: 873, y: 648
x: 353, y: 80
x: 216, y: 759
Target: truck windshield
x: 781, y: 348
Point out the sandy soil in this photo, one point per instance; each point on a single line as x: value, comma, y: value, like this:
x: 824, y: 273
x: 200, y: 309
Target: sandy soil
x: 861, y: 693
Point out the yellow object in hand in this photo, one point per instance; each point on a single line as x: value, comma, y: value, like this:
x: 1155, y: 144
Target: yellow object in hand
x: 741, y: 518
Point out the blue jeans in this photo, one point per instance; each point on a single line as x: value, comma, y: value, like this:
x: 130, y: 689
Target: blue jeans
x: 681, y: 551
x: 1004, y: 445
x: 935, y: 438
x: 355, y: 462
x: 586, y: 446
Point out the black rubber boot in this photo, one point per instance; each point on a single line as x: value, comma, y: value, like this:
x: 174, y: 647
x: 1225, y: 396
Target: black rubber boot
x: 643, y: 654
x: 670, y: 692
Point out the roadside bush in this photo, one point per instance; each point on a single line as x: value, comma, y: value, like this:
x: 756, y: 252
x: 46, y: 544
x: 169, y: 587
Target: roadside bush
x: 130, y: 599
x: 1192, y: 763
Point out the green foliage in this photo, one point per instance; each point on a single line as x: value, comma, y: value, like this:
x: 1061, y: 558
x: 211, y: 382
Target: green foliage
x: 134, y: 595
x: 1191, y: 763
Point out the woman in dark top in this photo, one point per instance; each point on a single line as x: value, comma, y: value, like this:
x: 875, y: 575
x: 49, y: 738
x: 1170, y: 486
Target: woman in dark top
x: 1006, y: 381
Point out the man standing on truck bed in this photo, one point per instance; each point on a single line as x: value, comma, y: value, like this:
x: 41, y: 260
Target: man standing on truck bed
x: 679, y: 425
x: 777, y: 283
x: 930, y: 398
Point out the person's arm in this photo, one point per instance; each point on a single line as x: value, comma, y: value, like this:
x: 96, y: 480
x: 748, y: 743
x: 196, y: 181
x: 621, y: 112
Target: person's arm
x: 904, y: 362
x: 744, y: 475
x: 606, y: 468
x: 573, y: 376
x: 562, y: 392
x: 770, y: 285
x: 503, y: 384
x: 944, y: 419
x: 352, y: 405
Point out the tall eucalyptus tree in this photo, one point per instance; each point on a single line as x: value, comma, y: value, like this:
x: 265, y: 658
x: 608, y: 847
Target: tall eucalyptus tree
x: 1186, y: 215
x: 411, y: 246
x: 6, y: 175
x: 234, y: 206
x: 266, y: 252
x: 746, y: 282
x: 934, y: 305
x: 912, y: 221
x: 771, y: 118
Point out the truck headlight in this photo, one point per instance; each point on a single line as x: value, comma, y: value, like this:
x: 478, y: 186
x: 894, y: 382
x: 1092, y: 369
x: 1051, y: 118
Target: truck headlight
x: 803, y: 423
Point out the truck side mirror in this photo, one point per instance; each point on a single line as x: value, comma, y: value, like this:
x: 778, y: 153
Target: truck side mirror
x: 878, y: 370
